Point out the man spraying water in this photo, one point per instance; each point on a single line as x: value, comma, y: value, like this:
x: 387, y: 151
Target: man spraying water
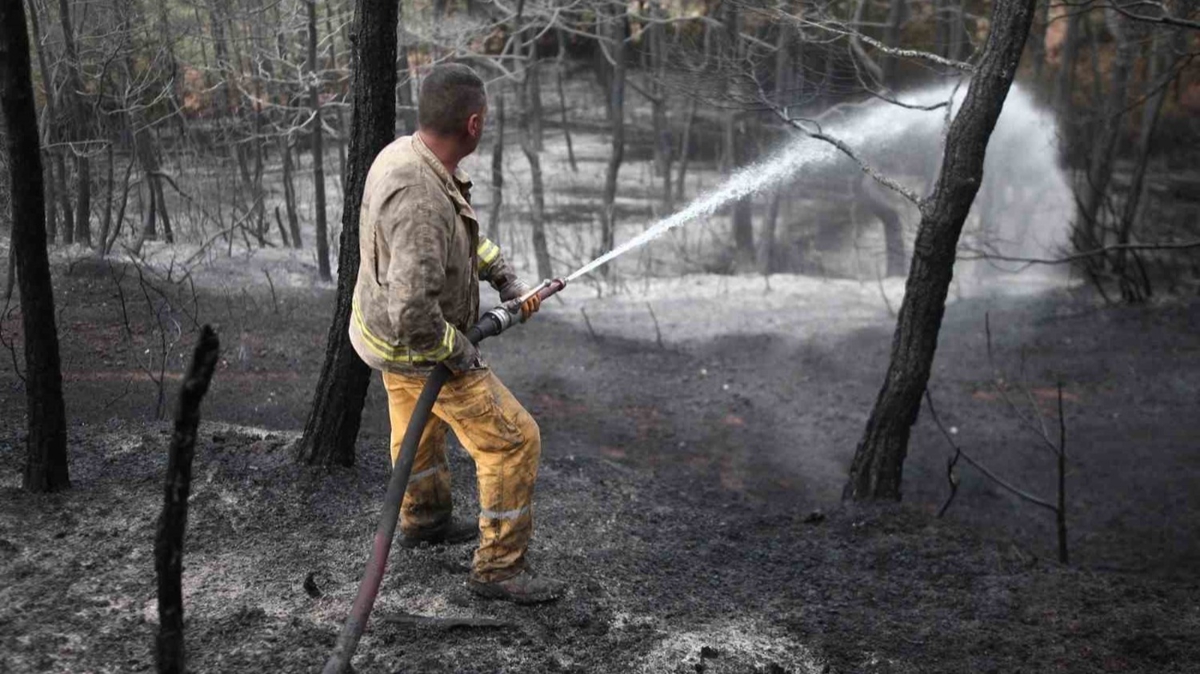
x: 417, y: 294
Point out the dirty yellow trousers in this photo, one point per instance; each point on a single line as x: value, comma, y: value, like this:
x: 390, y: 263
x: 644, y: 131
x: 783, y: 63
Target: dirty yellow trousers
x: 505, y: 443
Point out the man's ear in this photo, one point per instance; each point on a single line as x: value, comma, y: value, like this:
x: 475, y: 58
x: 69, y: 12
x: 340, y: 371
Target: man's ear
x: 475, y: 125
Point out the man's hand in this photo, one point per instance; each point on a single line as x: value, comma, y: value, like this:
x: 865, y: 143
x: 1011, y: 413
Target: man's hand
x: 467, y: 360
x: 530, y: 307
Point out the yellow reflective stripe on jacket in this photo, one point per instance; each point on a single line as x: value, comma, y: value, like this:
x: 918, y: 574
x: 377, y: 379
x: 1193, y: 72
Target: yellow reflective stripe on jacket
x: 402, y: 354
x: 487, y: 252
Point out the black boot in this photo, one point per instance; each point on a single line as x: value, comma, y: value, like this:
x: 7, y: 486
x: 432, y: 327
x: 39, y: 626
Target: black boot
x: 524, y: 588
x: 455, y: 531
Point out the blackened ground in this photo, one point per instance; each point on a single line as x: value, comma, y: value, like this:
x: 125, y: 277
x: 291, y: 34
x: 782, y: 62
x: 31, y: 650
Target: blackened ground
x: 676, y: 496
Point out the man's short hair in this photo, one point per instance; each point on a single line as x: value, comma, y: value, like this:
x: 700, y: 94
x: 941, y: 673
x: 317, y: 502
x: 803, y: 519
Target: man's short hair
x: 450, y: 94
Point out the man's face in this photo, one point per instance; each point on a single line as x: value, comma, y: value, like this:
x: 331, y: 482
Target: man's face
x: 475, y: 125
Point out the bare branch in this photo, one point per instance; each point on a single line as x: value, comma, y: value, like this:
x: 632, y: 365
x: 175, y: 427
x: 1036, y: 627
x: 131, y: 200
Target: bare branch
x: 1031, y: 261
x: 1014, y: 490
x: 818, y: 134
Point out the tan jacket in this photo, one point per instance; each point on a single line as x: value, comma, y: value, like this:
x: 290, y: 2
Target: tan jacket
x: 421, y: 260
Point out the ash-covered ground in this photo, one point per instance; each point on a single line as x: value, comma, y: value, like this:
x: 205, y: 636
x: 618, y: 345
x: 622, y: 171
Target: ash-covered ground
x: 677, y: 494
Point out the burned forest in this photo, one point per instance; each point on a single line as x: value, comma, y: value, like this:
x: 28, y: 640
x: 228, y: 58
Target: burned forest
x: 722, y: 336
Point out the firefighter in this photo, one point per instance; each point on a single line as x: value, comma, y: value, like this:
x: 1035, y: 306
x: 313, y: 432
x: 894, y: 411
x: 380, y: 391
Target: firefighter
x: 417, y: 294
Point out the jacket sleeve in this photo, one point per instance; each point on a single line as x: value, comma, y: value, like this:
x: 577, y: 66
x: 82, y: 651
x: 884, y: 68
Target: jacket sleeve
x: 496, y: 270
x: 418, y: 241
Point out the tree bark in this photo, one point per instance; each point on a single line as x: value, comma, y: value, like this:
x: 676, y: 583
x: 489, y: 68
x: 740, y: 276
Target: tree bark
x: 56, y: 189
x: 109, y: 192
x: 289, y: 193
x: 1159, y: 51
x: 1088, y: 232
x: 685, y: 149
x: 658, y: 106
x: 562, y: 104
x: 533, y: 97
x: 318, y: 158
x: 528, y: 130
x: 172, y: 523
x: 46, y: 448
x: 79, y: 125
x: 1065, y: 81
x: 493, y: 230
x: 336, y: 415
x: 616, y: 106
x: 404, y: 92
x: 897, y: 11
x: 733, y: 154
x: 893, y: 229
x: 877, y: 469
x: 337, y: 110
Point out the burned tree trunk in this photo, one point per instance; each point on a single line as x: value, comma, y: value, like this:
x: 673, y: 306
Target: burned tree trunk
x: 893, y: 229
x: 318, y: 150
x: 172, y: 524
x: 658, y: 107
x: 734, y: 151
x: 493, y: 229
x: 616, y: 108
x: 56, y: 188
x: 562, y: 103
x: 79, y: 124
x: 404, y: 92
x: 879, y: 460
x: 333, y: 423
x: 289, y: 193
x: 46, y: 452
x: 1088, y: 232
x: 897, y: 10
x: 531, y: 147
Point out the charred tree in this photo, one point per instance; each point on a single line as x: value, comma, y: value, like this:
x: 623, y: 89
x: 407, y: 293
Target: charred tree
x: 897, y: 11
x: 404, y: 93
x: 289, y: 193
x: 57, y: 170
x: 172, y: 524
x: 616, y: 109
x: 493, y: 230
x: 735, y: 139
x: 46, y: 449
x: 79, y: 124
x: 783, y: 96
x: 528, y: 132
x: 870, y: 195
x: 333, y: 423
x: 657, y: 92
x: 562, y: 102
x: 879, y: 460
x: 318, y: 150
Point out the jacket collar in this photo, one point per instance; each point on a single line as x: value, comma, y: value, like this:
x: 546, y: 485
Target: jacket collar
x: 460, y: 181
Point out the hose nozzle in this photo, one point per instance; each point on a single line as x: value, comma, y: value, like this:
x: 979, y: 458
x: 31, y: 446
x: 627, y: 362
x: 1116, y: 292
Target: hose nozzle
x: 542, y: 290
x: 508, y: 314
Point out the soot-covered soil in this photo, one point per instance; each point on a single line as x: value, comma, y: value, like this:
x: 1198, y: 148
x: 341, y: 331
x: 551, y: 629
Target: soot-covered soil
x: 677, y: 493
x: 666, y: 576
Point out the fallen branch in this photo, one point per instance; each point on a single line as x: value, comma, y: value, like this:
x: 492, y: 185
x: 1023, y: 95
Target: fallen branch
x: 445, y: 623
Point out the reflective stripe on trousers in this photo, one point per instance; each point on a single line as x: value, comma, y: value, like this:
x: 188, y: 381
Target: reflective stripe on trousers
x: 505, y: 443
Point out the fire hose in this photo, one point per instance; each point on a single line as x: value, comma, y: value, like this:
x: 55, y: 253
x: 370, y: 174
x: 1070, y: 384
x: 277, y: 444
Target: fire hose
x: 492, y: 323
